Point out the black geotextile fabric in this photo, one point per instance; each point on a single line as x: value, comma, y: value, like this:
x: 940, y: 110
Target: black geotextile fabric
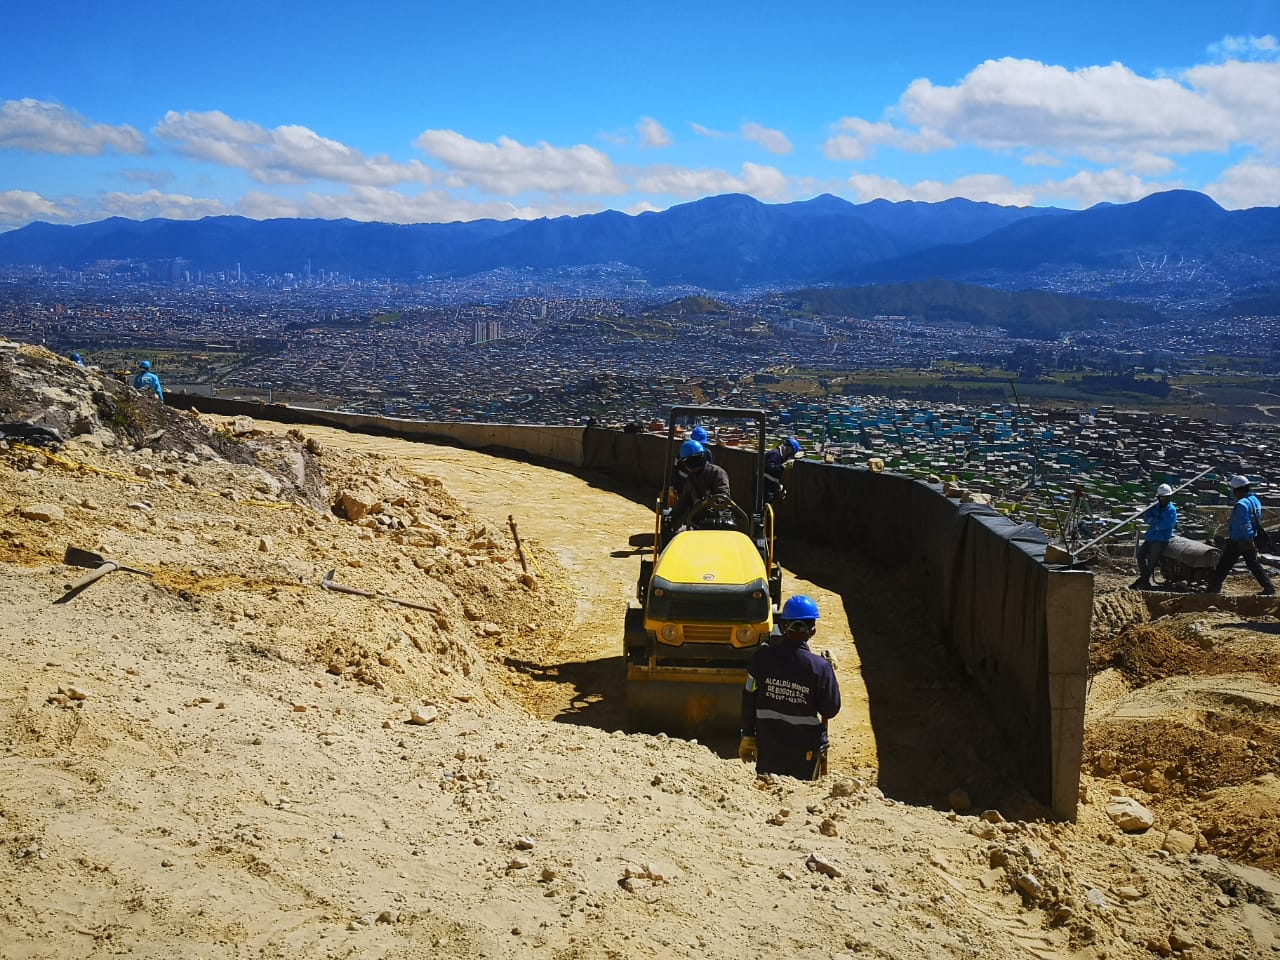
x: 997, y: 622
x: 1027, y: 535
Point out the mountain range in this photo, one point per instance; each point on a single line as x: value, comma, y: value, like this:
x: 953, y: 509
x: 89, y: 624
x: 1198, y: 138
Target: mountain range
x: 1168, y: 247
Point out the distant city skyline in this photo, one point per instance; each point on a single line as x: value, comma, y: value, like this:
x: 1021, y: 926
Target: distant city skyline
x: 410, y: 113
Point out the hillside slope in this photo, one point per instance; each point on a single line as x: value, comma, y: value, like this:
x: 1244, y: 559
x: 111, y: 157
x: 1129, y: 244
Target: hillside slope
x: 225, y: 759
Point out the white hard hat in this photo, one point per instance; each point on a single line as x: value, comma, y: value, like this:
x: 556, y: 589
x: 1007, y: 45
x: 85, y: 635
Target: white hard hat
x: 1164, y: 490
x: 1237, y: 481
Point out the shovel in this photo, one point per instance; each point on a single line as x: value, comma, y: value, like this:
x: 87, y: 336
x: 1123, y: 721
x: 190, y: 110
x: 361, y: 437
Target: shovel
x: 101, y: 567
x: 328, y: 584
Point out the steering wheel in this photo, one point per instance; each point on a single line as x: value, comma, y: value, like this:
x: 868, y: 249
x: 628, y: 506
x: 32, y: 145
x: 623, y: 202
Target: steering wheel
x: 719, y: 502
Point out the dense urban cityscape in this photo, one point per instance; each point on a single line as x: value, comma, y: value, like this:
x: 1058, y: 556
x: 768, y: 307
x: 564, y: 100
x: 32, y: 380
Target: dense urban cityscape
x: 1104, y: 413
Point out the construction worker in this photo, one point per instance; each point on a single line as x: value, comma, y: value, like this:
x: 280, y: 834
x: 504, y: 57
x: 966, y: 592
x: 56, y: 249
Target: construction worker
x: 146, y: 381
x: 791, y: 693
x: 698, y: 480
x: 776, y: 462
x: 1161, y: 518
x: 699, y: 434
x: 1243, y: 529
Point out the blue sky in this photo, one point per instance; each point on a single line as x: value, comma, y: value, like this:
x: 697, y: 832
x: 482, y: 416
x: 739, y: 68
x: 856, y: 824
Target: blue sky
x: 427, y: 112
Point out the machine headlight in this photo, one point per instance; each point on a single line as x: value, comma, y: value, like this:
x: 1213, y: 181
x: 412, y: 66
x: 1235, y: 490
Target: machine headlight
x: 744, y: 636
x: 670, y: 632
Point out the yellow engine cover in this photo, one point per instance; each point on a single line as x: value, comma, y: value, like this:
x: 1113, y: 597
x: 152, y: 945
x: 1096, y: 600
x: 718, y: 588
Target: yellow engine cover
x: 711, y: 556
x: 709, y: 587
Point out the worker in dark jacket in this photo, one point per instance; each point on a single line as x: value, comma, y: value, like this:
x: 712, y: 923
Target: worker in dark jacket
x: 700, y: 481
x: 1243, y: 529
x: 790, y: 695
x: 775, y: 463
x: 699, y: 434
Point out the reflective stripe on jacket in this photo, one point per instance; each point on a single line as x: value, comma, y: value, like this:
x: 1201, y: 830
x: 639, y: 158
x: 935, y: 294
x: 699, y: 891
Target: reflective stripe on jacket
x: 790, y: 694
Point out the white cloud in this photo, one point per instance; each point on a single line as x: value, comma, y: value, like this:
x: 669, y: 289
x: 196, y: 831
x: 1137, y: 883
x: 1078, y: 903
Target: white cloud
x: 1012, y: 103
x: 641, y: 206
x: 983, y: 187
x: 377, y: 204
x: 1245, y: 48
x: 41, y: 127
x: 153, y: 203
x: 287, y: 154
x: 1249, y: 93
x: 844, y: 147
x: 1088, y: 187
x: 652, y: 133
x: 1077, y: 191
x: 702, y: 131
x: 20, y: 207
x: 1149, y: 164
x: 867, y: 186
x: 508, y: 167
x: 762, y: 182
x: 775, y: 141
x: 1140, y: 162
x: 1252, y: 183
x: 858, y: 139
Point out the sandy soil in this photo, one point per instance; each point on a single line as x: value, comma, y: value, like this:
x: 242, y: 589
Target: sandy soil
x: 224, y: 759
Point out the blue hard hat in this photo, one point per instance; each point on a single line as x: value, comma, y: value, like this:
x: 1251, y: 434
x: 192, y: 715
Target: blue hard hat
x: 799, y: 607
x: 691, y: 448
x: 699, y: 434
x: 145, y: 364
x: 794, y: 444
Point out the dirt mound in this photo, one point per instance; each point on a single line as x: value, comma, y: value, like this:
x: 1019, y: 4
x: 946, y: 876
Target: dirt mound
x: 1177, y: 646
x: 101, y: 413
x: 1117, y: 609
x: 1191, y: 720
x: 197, y: 508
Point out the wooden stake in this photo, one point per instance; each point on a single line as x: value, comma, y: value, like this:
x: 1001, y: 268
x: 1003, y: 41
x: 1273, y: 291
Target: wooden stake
x: 524, y: 564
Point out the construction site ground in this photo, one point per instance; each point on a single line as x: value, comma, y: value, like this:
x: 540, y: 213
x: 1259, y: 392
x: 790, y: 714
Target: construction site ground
x: 225, y: 759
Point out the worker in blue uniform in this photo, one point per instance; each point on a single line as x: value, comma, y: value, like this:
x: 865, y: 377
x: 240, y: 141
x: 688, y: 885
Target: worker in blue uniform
x: 146, y: 381
x: 1161, y: 518
x: 1243, y: 528
x: 790, y: 694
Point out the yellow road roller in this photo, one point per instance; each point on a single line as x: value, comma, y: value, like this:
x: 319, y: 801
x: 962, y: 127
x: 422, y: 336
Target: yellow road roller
x: 708, y: 592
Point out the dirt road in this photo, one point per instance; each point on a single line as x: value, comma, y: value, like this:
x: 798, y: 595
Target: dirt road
x: 909, y: 718
x: 589, y: 526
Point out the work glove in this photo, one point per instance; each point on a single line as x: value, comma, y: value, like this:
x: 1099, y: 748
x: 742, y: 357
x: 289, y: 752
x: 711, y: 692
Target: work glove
x: 747, y: 749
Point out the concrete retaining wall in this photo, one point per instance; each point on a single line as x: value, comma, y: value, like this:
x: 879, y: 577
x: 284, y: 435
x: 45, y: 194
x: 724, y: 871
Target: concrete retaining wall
x: 561, y: 445
x: 1020, y: 626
